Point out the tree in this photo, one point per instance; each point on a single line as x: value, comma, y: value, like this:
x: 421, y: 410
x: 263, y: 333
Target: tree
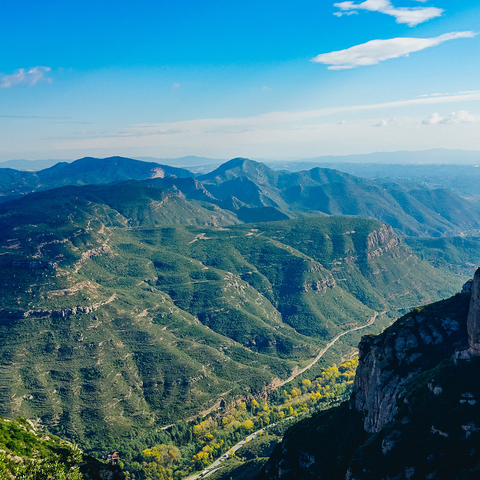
x: 248, y: 425
x: 162, y: 454
x: 52, y: 468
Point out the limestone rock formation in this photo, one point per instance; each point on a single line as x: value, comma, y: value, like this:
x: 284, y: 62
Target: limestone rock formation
x: 473, y: 320
x: 412, y: 345
x: 414, y: 411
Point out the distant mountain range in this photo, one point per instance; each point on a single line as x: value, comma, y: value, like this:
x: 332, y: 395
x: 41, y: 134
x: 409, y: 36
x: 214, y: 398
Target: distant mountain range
x: 254, y: 192
x: 85, y: 171
x: 436, y: 156
x: 247, y: 187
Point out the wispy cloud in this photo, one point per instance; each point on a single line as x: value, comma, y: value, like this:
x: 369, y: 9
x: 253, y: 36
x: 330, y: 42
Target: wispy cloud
x: 27, y: 77
x: 396, y: 122
x: 274, y: 121
x: 376, y: 51
x: 426, y: 95
x: 176, y: 85
x: 462, y: 116
x: 410, y: 16
x: 290, y: 133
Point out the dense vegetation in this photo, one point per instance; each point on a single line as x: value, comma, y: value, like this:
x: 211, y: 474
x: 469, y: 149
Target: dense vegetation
x: 460, y: 255
x: 27, y: 454
x: 187, y: 447
x: 409, y: 208
x: 118, y: 319
x: 253, y: 192
x: 85, y: 171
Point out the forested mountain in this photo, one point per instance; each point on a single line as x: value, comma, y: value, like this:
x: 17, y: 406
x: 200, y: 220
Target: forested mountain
x: 126, y: 306
x: 85, y: 171
x: 459, y: 255
x: 410, y: 209
x: 255, y: 192
x: 414, y: 411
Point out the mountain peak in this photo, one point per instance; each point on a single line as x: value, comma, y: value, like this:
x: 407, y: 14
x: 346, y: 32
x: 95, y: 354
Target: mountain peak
x: 238, y: 167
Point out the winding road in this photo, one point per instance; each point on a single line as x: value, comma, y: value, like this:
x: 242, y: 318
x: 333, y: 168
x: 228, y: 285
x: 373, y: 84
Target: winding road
x: 326, y: 348
x: 211, y: 468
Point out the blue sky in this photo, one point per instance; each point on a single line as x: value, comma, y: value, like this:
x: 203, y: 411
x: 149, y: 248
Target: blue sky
x: 222, y: 79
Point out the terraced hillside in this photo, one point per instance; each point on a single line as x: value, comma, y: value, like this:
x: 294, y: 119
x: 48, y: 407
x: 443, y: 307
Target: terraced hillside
x: 126, y: 307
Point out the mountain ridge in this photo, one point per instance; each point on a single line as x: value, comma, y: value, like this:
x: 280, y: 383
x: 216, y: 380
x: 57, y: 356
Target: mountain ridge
x: 243, y: 183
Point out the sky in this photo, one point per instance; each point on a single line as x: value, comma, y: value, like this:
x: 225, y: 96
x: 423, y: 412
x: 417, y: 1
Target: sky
x: 259, y: 79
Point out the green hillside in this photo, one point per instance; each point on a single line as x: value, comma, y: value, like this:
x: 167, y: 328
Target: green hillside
x: 85, y: 171
x: 459, y: 255
x: 29, y: 454
x: 124, y: 308
x: 410, y: 209
x: 253, y: 192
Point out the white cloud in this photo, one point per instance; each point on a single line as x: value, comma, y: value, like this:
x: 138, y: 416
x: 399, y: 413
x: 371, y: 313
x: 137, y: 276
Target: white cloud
x: 265, y: 89
x: 376, y: 51
x: 433, y: 119
x: 395, y: 121
x: 410, y: 16
x: 462, y: 116
x: 341, y: 14
x: 176, y: 85
x: 31, y: 77
x: 298, y: 134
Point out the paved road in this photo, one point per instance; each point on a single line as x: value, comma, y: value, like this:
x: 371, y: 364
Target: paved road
x: 327, y: 347
x: 210, y: 469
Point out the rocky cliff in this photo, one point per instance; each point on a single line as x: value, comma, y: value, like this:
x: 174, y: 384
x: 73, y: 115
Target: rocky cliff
x: 386, y: 362
x: 473, y: 321
x: 415, y: 411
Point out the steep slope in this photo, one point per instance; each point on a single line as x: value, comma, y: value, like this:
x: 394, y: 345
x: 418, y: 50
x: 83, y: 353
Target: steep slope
x: 414, y: 413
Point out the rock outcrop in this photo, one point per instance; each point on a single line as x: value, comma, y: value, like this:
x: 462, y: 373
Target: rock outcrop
x: 414, y: 411
x: 381, y: 241
x: 60, y: 313
x: 412, y: 345
x: 473, y: 321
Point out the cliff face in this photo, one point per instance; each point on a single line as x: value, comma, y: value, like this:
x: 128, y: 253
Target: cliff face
x: 381, y: 241
x: 413, y: 344
x: 473, y: 321
x: 415, y: 410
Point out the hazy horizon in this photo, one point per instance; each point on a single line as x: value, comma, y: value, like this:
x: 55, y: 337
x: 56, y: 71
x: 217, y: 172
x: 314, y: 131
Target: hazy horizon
x: 268, y: 80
